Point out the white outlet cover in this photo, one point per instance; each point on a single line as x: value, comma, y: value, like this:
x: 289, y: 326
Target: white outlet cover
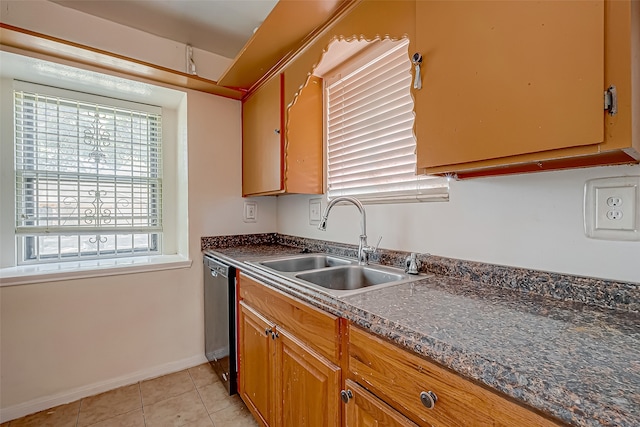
x: 315, y: 211
x: 612, y: 208
x: 250, y: 213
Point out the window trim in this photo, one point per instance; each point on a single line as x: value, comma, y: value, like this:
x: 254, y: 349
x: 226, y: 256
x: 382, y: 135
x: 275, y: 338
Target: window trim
x: 75, y: 77
x: 27, y: 238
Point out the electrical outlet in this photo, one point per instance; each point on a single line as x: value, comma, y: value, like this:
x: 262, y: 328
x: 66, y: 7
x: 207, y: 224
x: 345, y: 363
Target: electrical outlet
x: 250, y: 213
x: 315, y: 209
x: 615, y: 208
x: 611, y: 209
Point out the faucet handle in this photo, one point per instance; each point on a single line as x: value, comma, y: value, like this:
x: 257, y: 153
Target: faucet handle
x: 371, y: 249
x: 412, y: 264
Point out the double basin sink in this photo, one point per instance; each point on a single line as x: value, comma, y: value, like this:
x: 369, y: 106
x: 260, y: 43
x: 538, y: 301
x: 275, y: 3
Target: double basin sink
x: 334, y: 275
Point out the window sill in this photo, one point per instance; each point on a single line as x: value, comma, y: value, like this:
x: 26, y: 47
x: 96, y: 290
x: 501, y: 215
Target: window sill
x: 28, y: 274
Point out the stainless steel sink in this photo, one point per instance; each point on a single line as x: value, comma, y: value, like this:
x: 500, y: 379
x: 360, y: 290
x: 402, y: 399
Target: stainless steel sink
x: 304, y: 262
x: 349, y: 277
x: 334, y: 275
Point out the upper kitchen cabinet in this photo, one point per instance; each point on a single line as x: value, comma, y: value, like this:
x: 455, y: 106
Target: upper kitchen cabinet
x: 263, y: 140
x: 279, y: 155
x: 291, y: 102
x: 511, y: 87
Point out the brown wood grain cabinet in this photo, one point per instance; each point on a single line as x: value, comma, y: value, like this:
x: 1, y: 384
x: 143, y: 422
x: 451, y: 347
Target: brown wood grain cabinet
x: 364, y: 409
x: 293, y: 355
x: 518, y: 86
x: 282, y: 146
x: 257, y: 381
x: 289, y: 359
x: 398, y: 378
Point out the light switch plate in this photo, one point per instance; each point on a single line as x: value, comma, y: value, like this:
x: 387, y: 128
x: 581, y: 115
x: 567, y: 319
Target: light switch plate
x: 612, y: 208
x: 315, y: 209
x: 250, y: 213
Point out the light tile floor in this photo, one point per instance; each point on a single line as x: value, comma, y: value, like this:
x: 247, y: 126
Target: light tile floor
x: 192, y: 398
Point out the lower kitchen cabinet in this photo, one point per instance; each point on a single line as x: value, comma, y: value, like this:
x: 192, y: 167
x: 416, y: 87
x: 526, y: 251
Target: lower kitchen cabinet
x: 309, y: 385
x: 424, y: 392
x: 289, y: 355
x: 257, y: 377
x: 292, y: 356
x: 363, y: 409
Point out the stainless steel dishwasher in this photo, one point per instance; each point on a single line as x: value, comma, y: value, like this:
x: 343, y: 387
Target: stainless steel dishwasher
x: 220, y: 321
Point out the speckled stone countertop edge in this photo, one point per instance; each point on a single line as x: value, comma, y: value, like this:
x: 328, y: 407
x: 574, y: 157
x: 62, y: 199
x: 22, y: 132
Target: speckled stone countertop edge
x: 610, y: 294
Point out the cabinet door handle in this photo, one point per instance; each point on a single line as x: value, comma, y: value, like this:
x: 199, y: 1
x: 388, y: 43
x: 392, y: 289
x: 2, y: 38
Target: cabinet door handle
x: 345, y: 395
x: 416, y: 60
x: 428, y: 399
x: 276, y: 131
x: 268, y: 331
x: 274, y: 335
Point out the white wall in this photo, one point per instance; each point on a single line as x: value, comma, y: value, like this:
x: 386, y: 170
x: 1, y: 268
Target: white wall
x: 62, y: 340
x: 532, y: 221
x: 59, y: 337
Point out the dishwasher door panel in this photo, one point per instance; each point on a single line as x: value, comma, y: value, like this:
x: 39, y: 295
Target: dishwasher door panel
x: 220, y: 321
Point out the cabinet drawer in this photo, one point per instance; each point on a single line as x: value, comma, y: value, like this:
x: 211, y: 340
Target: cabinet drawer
x: 319, y: 329
x: 399, y: 377
x: 364, y: 409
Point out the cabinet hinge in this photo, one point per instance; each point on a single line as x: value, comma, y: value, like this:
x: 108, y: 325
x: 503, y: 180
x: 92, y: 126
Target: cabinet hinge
x: 611, y: 100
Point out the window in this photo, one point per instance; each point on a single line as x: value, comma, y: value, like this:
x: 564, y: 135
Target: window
x: 88, y: 174
x: 370, y: 141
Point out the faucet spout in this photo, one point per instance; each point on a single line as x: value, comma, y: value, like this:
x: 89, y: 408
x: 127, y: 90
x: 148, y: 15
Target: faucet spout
x: 363, y: 248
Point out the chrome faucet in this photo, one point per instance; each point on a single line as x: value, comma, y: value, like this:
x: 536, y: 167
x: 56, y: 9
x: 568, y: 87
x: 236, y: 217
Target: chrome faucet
x: 363, y: 249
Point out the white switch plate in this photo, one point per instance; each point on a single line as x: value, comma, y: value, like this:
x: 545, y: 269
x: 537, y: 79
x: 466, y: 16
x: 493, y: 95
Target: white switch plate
x: 250, y: 213
x: 611, y: 208
x: 315, y: 209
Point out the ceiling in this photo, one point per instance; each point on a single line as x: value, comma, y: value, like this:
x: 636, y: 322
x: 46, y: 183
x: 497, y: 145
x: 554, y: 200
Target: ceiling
x: 218, y: 26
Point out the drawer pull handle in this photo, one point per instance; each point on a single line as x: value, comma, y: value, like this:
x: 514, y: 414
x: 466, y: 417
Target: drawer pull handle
x: 428, y: 399
x: 345, y: 395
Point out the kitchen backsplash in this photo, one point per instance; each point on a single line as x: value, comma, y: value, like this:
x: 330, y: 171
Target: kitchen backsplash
x: 624, y: 296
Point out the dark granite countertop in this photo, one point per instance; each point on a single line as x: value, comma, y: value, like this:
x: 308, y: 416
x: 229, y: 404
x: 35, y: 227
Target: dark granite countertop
x: 578, y: 362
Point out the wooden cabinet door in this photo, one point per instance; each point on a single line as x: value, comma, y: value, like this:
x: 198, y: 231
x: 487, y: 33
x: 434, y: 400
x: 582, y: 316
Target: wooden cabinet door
x: 366, y: 410
x: 308, y: 385
x: 256, y: 371
x: 304, y: 145
x: 507, y: 78
x: 263, y: 140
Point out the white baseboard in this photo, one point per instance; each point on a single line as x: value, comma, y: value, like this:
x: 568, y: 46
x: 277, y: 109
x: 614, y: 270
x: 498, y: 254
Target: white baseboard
x: 42, y: 403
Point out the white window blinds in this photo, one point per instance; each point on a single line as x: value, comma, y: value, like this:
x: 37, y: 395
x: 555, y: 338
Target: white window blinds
x: 370, y: 141
x: 88, y: 176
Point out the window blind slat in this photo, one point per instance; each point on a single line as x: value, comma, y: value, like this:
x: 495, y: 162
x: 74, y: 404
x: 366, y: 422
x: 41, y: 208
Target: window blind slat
x: 384, y: 83
x: 370, y: 141
x: 373, y: 135
x: 394, y: 107
x: 383, y: 151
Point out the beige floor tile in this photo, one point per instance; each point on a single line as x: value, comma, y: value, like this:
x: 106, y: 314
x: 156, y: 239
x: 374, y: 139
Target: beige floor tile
x: 203, y: 375
x: 202, y: 422
x: 215, y: 397
x: 110, y: 404
x: 235, y: 415
x: 176, y: 411
x: 63, y: 415
x: 130, y: 419
x: 165, y: 387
